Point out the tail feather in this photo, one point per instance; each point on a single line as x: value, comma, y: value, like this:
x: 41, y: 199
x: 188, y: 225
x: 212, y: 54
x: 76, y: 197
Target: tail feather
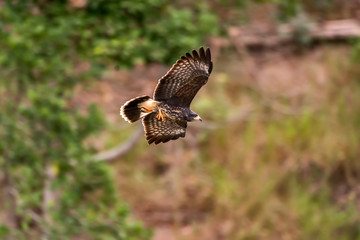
x: 137, y: 108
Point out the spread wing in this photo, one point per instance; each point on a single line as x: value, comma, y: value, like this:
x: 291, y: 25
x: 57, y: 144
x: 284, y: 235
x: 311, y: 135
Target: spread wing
x: 181, y: 83
x: 158, y: 131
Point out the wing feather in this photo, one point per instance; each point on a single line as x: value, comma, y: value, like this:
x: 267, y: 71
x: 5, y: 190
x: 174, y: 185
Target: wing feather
x: 158, y: 131
x: 181, y: 83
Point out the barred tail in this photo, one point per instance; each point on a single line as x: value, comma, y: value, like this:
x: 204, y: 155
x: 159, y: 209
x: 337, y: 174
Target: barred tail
x: 137, y: 108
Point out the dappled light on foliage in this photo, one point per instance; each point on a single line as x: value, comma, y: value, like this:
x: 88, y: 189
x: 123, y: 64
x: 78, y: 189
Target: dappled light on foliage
x: 51, y: 186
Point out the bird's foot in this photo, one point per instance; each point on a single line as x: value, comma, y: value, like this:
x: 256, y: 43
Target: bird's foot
x: 160, y: 116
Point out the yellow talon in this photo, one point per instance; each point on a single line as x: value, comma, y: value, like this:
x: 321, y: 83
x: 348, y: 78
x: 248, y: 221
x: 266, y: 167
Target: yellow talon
x: 160, y: 116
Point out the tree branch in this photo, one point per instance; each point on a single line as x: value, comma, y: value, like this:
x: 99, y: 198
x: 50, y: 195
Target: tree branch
x: 269, y: 36
x: 121, y: 149
x: 9, y: 198
x: 48, y: 200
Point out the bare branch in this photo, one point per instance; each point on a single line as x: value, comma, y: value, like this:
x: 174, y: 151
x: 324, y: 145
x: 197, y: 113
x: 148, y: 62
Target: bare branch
x: 48, y: 200
x: 8, y: 197
x: 121, y: 149
x: 269, y: 36
x: 243, y: 114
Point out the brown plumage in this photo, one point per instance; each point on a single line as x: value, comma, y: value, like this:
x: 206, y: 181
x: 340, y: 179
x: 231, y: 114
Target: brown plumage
x: 165, y: 116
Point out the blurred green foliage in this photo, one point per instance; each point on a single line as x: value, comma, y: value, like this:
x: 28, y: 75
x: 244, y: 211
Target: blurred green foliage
x: 50, y: 183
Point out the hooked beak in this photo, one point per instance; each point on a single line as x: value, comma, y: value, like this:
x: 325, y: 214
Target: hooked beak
x: 198, y: 118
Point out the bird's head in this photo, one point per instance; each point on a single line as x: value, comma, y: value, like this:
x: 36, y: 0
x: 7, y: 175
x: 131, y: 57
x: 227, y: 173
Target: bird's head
x: 197, y: 118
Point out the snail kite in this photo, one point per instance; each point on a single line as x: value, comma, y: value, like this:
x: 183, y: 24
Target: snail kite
x: 165, y: 116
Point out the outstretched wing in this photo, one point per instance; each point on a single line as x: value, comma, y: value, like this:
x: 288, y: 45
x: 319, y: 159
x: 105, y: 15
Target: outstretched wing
x: 181, y: 83
x: 158, y: 131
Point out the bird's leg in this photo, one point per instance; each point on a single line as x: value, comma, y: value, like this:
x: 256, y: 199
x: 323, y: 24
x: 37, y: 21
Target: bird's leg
x: 160, y: 116
x: 145, y: 110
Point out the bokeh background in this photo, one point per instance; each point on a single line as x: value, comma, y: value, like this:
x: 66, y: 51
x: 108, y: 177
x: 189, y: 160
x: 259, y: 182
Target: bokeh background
x: 276, y: 156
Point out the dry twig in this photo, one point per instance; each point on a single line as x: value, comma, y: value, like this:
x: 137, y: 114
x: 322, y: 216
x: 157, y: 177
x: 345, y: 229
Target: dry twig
x: 121, y: 149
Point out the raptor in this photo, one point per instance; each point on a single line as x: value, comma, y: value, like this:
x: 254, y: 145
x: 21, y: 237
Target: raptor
x: 166, y: 114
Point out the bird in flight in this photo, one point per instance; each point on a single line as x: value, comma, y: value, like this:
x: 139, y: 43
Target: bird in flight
x: 165, y: 115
